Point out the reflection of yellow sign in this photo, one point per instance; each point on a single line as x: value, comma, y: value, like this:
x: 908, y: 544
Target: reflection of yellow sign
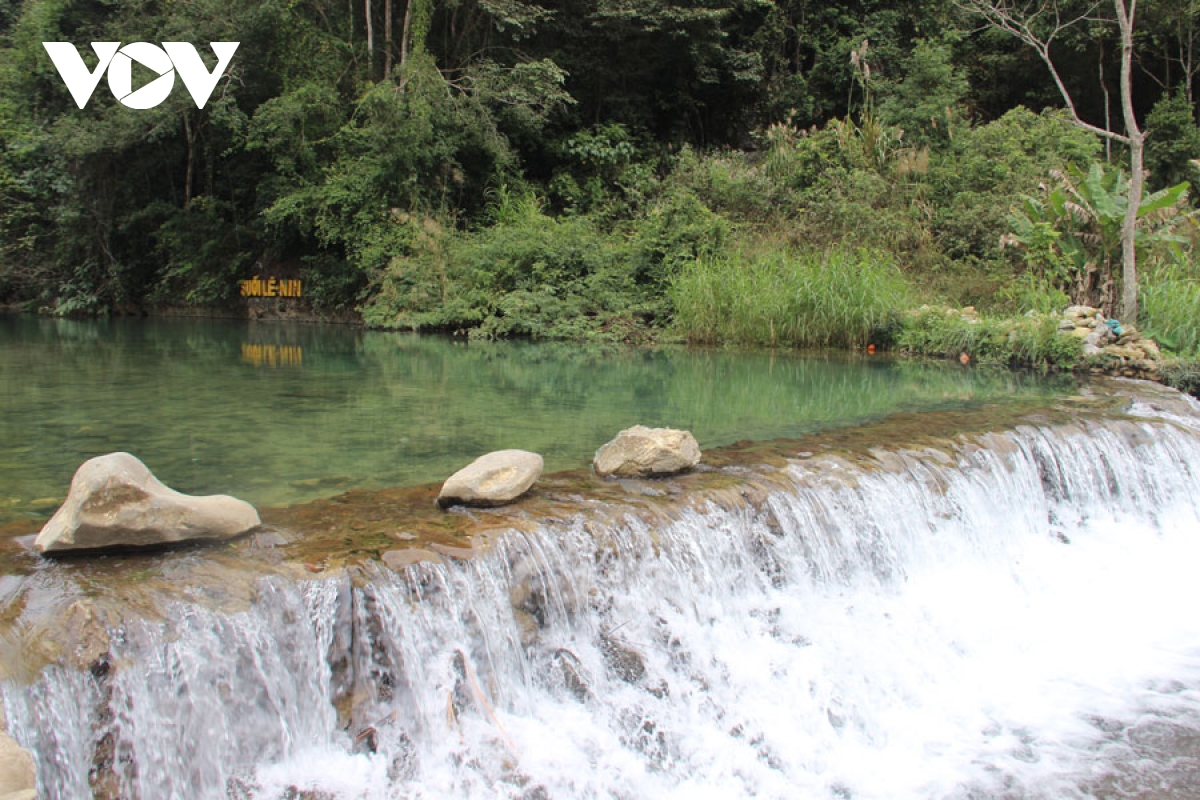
x: 270, y: 287
x: 273, y: 355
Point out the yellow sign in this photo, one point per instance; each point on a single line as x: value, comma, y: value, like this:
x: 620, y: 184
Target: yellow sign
x: 273, y: 355
x: 270, y: 287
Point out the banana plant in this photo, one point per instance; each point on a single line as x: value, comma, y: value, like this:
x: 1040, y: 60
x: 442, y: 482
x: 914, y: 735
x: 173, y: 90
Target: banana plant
x: 1071, y: 234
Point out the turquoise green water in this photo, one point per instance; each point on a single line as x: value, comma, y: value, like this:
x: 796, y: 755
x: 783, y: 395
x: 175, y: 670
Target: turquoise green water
x: 279, y: 413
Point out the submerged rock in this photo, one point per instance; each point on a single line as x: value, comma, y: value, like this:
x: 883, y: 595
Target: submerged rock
x: 622, y: 659
x: 492, y: 480
x: 115, y: 501
x: 641, y: 452
x: 18, y: 775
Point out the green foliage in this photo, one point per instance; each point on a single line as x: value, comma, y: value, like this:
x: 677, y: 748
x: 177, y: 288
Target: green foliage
x: 678, y: 230
x: 1170, y: 299
x: 662, y: 133
x: 1182, y: 374
x: 985, y: 167
x: 1173, y: 140
x: 728, y: 183
x: 926, y: 103
x: 785, y: 298
x: 200, y: 252
x: 603, y: 171
x: 526, y: 274
x: 1071, y: 236
x: 1029, y: 292
x: 1030, y: 341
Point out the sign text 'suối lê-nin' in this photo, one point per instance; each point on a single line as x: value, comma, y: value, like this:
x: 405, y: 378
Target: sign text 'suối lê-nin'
x: 270, y: 287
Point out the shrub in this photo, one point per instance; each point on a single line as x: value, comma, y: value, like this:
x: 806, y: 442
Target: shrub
x: 526, y: 274
x: 1174, y: 139
x: 1182, y: 374
x: 1031, y: 341
x: 727, y: 183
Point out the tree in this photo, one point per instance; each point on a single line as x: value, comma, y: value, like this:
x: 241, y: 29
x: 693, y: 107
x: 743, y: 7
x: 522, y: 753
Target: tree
x: 1037, y: 24
x: 1170, y: 35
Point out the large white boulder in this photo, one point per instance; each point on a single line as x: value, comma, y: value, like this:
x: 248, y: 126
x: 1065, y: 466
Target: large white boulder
x: 115, y: 501
x: 492, y: 480
x: 18, y: 775
x: 641, y: 452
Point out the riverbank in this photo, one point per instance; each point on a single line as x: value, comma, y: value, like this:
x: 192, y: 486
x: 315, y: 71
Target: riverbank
x: 1043, y: 341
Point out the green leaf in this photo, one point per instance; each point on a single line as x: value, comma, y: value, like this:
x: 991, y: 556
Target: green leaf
x: 1164, y: 198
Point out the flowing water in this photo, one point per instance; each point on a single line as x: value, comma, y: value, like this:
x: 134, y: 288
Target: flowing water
x: 1009, y: 616
x: 1005, y: 615
x: 277, y: 414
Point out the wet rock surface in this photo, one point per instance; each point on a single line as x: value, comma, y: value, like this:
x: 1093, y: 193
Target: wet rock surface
x: 71, y: 612
x: 641, y: 452
x: 18, y: 776
x: 65, y: 612
x: 494, y: 479
x: 115, y: 502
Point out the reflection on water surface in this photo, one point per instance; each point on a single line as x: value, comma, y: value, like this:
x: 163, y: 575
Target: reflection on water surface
x: 279, y: 413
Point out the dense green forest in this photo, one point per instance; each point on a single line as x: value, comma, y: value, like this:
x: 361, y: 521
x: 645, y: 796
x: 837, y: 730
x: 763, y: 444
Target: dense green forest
x: 773, y: 172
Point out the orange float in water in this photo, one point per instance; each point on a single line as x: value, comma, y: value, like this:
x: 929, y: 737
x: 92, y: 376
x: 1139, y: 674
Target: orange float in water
x: 964, y: 358
x: 871, y: 349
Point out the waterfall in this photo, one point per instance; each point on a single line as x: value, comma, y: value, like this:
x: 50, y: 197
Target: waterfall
x: 1012, y: 616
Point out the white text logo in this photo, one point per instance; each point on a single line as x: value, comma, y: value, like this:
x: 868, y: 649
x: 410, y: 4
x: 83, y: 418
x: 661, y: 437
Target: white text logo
x: 164, y: 61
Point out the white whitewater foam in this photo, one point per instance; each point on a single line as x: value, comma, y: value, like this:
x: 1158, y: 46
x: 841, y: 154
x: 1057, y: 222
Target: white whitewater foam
x: 990, y: 627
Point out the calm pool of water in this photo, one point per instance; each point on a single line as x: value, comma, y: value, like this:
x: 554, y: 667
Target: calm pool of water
x: 280, y: 413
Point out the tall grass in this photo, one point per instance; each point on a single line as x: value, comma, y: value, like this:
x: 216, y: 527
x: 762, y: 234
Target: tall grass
x: 1170, y: 308
x: 840, y: 298
x: 1027, y: 341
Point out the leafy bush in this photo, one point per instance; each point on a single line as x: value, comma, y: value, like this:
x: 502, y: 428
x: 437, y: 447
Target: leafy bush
x: 1028, y: 293
x: 1072, y: 234
x: 1173, y: 140
x: 1182, y: 374
x: 728, y: 183
x: 923, y: 103
x: 676, y: 231
x: 975, y: 180
x: 526, y: 274
x: 837, y: 298
x: 1031, y: 340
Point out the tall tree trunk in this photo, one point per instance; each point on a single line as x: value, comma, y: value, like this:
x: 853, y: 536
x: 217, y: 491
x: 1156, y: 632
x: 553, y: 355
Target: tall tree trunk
x: 1137, y: 144
x: 1190, y: 62
x: 1017, y: 20
x: 404, y: 32
x: 1107, y: 105
x: 370, y: 41
x: 189, y: 133
x: 387, y: 39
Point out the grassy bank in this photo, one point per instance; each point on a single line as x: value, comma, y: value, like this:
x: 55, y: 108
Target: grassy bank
x: 779, y: 297
x: 825, y: 237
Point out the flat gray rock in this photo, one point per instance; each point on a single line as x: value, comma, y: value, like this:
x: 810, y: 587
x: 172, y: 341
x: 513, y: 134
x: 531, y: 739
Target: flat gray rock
x: 641, y: 452
x: 492, y: 480
x: 115, y: 501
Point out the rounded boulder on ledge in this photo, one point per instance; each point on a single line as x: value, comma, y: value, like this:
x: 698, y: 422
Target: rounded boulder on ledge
x: 492, y: 480
x: 18, y: 774
x: 641, y: 452
x: 115, y: 501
